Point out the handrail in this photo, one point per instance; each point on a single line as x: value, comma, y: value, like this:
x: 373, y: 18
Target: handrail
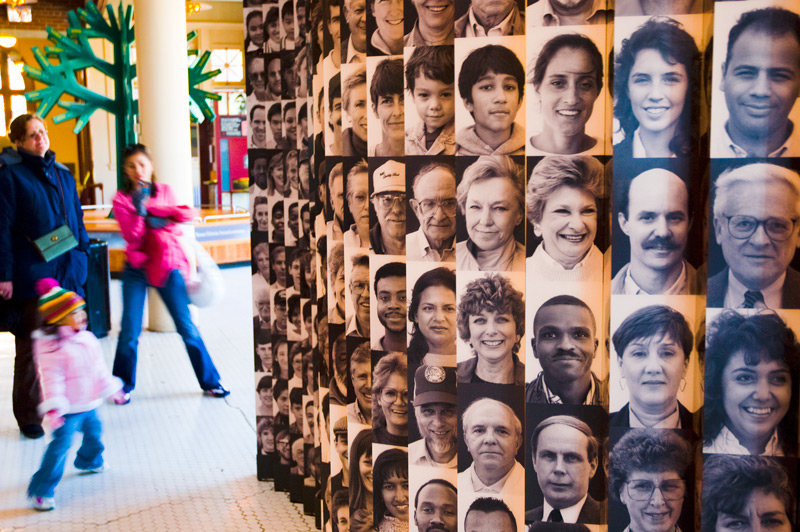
x: 96, y: 207
x: 232, y: 216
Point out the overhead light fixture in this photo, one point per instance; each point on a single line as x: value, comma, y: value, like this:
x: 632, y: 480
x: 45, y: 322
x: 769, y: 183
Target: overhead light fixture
x: 7, y: 41
x: 13, y: 3
x: 192, y: 7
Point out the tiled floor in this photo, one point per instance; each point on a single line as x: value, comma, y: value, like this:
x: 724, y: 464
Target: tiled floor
x: 178, y: 460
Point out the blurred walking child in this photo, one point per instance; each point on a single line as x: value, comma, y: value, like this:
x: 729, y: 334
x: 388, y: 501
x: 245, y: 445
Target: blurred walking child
x: 74, y: 380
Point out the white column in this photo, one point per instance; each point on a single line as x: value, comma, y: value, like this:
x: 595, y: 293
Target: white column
x: 164, y: 107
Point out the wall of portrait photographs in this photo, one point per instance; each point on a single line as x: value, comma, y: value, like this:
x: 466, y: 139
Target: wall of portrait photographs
x: 557, y: 291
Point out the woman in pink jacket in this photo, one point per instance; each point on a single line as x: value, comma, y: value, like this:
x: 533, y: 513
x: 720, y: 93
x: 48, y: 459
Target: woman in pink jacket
x: 148, y: 220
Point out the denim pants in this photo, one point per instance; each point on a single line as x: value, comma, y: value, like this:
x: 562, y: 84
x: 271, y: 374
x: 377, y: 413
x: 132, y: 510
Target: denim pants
x: 134, y: 290
x: 90, y: 454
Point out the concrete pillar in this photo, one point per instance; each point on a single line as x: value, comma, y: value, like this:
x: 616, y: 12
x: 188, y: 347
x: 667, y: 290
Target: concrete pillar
x: 164, y: 107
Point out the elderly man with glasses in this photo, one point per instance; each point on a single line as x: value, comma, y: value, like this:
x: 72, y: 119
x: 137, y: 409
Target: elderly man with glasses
x: 756, y: 210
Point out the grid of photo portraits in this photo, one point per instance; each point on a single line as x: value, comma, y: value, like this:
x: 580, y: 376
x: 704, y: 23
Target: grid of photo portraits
x: 557, y: 292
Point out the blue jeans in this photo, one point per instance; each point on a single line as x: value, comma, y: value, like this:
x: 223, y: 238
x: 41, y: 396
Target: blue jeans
x: 90, y: 455
x: 134, y: 290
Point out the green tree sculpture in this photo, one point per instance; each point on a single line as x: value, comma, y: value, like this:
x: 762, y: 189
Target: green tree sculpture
x: 74, y: 53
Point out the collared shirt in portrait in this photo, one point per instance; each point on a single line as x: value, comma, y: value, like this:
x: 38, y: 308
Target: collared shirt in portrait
x: 672, y: 421
x: 468, y: 26
x: 722, y: 146
x: 569, y: 514
x: 445, y: 143
x: 623, y: 282
x: 773, y: 294
x: 727, y: 443
x: 542, y: 266
x: 419, y: 249
x: 353, y: 55
x: 379, y: 43
x: 352, y: 240
x: 507, y: 488
x: 639, y: 150
x: 541, y: 14
x: 418, y: 455
x: 415, y: 38
x: 355, y: 415
x: 510, y: 489
x: 554, y: 399
x: 353, y: 329
x: 511, y: 258
x: 537, y: 391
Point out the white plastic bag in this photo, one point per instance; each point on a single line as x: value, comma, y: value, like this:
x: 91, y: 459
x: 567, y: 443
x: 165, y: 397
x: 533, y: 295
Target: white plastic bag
x: 207, y: 286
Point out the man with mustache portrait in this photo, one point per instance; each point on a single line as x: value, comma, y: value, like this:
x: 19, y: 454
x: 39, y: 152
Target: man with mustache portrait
x: 654, y: 214
x: 565, y: 343
x: 437, y: 418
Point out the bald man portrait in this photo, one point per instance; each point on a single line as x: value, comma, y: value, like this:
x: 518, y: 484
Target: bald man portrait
x: 653, y: 213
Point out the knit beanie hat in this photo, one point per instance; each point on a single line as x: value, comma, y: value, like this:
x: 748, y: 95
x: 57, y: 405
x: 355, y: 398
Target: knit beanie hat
x: 56, y: 303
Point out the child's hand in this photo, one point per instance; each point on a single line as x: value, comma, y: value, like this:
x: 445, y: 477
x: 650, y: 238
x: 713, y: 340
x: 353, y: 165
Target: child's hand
x: 118, y: 397
x: 53, y: 420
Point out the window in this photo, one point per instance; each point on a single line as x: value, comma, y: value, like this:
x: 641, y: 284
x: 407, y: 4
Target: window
x: 12, y: 89
x: 229, y: 60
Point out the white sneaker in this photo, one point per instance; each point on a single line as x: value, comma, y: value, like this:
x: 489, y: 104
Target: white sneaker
x: 42, y: 503
x: 102, y: 467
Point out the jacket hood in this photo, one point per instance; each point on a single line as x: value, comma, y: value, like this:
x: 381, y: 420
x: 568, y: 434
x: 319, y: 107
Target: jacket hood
x: 469, y: 143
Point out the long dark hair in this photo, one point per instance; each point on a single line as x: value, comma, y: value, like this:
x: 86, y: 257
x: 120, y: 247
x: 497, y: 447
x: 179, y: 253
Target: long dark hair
x: 392, y: 462
x: 359, y: 496
x: 675, y: 45
x: 441, y: 276
x: 129, y: 184
x: 760, y: 337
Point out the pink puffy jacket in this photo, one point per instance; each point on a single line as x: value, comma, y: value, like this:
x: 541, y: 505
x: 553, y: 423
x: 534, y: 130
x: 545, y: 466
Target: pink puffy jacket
x: 72, y: 372
x: 157, y: 251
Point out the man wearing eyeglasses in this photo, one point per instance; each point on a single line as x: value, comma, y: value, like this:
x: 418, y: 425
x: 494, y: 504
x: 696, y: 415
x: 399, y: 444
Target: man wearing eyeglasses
x: 654, y: 215
x: 756, y: 210
x: 434, y: 204
x: 358, y: 320
x: 565, y: 458
x: 388, y: 236
x: 37, y: 196
x: 360, y: 410
x: 256, y: 75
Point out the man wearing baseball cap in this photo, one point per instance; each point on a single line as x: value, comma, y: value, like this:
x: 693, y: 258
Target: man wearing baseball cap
x: 388, y: 236
x: 437, y: 419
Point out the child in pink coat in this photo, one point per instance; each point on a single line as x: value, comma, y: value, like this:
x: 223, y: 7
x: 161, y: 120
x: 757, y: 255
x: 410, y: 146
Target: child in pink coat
x: 74, y: 380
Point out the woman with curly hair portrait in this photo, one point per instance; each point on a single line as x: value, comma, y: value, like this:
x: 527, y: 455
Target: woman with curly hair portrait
x: 491, y: 315
x: 751, y: 386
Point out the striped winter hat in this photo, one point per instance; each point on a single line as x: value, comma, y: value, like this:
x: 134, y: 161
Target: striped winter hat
x: 56, y: 303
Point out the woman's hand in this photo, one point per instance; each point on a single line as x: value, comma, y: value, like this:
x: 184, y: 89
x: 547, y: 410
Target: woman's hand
x: 6, y: 289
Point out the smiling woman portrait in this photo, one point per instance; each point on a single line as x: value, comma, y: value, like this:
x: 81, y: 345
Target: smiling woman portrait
x: 656, y: 90
x: 491, y: 198
x: 567, y: 78
x: 491, y: 315
x: 647, y: 473
x: 390, y: 396
x: 751, y: 386
x: 562, y: 201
